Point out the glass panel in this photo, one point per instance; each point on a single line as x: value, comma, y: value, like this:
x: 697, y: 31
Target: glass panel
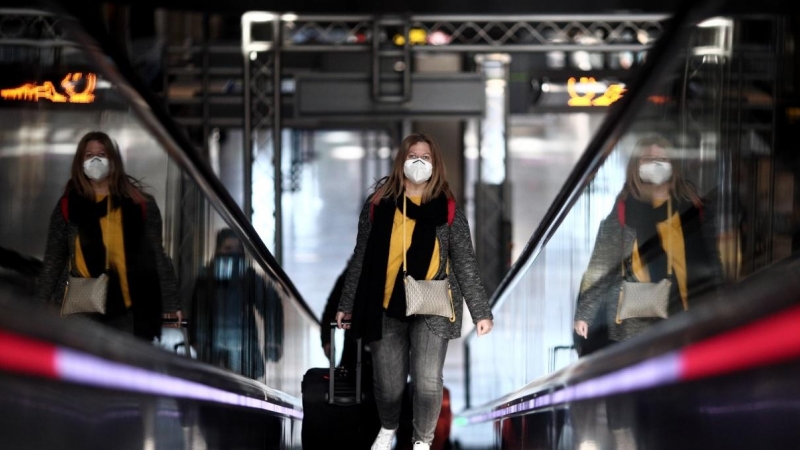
x: 240, y: 319
x: 699, y: 192
x: 240, y: 316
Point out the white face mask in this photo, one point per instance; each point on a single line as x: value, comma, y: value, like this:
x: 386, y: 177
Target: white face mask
x: 655, y: 172
x: 418, y: 170
x: 96, y: 168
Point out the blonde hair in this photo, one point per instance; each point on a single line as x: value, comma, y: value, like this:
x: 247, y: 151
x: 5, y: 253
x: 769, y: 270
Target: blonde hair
x: 119, y: 183
x: 392, y: 187
x: 680, y: 188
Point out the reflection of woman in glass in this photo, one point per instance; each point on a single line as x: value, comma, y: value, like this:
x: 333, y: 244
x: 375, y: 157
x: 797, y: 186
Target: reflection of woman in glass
x: 659, y: 228
x: 105, y: 223
x: 639, y: 239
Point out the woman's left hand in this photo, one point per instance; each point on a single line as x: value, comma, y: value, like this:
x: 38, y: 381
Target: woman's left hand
x: 484, y: 326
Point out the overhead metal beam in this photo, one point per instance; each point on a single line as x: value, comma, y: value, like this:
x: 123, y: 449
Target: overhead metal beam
x: 474, y: 33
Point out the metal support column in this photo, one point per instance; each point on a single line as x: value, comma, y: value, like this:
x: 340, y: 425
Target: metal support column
x: 205, y: 83
x: 261, y: 122
x: 247, y: 139
x: 277, y: 137
x: 491, y: 196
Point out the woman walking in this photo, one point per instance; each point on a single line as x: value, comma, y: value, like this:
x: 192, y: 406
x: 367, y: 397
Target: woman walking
x: 411, y: 224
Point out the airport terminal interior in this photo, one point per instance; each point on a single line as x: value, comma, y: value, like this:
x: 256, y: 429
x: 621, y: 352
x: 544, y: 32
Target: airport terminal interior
x: 190, y: 195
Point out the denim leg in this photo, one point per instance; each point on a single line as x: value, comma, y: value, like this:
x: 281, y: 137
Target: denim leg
x: 427, y: 360
x: 390, y: 370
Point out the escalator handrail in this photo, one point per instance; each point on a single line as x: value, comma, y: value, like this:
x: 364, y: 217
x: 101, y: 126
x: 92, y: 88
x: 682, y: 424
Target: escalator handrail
x: 727, y: 311
x: 155, y: 117
x: 141, y: 361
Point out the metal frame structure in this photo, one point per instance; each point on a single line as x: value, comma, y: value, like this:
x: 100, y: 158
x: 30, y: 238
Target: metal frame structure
x: 389, y: 37
x: 31, y: 35
x: 32, y: 28
x: 524, y: 33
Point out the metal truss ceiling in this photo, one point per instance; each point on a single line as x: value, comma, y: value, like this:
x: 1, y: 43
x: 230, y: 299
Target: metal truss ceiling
x: 30, y: 28
x: 477, y: 33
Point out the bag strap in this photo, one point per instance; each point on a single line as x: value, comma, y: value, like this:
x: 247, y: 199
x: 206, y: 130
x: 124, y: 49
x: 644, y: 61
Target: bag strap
x: 108, y: 219
x: 446, y: 267
x: 64, y: 208
x: 405, y: 264
x: 621, y: 211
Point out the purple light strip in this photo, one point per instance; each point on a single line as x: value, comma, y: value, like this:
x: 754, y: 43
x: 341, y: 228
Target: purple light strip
x: 90, y: 370
x: 659, y: 371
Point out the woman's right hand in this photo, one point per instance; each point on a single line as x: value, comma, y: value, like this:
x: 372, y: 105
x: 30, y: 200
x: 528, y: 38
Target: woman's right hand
x: 341, y: 316
x: 582, y: 328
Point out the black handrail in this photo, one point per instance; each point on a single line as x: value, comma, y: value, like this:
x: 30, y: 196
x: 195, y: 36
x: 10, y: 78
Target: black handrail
x: 24, y: 318
x: 730, y: 308
x: 171, y: 136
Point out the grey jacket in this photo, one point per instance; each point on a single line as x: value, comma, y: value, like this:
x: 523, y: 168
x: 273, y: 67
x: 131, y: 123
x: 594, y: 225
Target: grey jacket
x: 602, y: 280
x: 61, y: 249
x: 455, y: 242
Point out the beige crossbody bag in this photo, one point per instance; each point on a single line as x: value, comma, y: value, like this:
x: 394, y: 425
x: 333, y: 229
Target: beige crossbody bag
x: 647, y: 300
x: 86, y: 295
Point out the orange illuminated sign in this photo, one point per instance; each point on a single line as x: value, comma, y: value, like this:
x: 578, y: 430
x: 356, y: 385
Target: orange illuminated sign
x: 47, y: 91
x: 589, y: 98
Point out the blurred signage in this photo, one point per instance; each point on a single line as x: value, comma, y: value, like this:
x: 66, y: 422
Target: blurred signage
x: 588, y: 92
x: 75, y: 88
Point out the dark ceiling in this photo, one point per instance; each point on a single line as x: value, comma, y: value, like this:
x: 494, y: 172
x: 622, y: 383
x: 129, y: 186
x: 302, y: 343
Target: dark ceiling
x: 419, y: 6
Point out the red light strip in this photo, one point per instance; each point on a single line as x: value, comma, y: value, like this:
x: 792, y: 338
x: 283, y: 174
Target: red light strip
x: 27, y: 356
x: 772, y: 340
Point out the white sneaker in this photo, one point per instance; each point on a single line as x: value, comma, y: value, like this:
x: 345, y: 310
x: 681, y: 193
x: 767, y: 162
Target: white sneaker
x: 419, y: 445
x: 384, y: 440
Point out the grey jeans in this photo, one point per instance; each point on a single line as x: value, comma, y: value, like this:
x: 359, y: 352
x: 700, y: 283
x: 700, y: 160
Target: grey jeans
x: 409, y: 346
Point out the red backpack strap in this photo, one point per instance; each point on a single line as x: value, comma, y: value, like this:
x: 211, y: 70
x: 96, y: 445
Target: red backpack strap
x: 65, y: 208
x: 142, y: 199
x: 621, y: 212
x: 451, y: 211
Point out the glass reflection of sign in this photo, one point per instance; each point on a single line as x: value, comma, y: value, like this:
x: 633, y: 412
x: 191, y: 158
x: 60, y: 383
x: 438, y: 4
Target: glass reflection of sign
x: 75, y: 88
x: 585, y: 91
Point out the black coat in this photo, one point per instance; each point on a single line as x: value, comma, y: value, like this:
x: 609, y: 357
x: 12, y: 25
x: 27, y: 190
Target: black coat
x: 151, y: 278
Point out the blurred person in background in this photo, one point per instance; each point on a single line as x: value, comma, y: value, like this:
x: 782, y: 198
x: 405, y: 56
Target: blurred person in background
x: 348, y: 360
x: 237, y: 318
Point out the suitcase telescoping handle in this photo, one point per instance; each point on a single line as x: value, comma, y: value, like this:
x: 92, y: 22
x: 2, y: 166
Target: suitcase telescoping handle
x: 333, y: 366
x: 183, y: 325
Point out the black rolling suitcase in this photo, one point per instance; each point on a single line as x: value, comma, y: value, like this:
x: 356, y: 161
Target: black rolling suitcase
x: 338, y: 407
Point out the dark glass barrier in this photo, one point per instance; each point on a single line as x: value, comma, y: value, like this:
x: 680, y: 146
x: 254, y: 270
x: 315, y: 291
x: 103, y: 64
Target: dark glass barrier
x: 58, y: 83
x: 690, y: 186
